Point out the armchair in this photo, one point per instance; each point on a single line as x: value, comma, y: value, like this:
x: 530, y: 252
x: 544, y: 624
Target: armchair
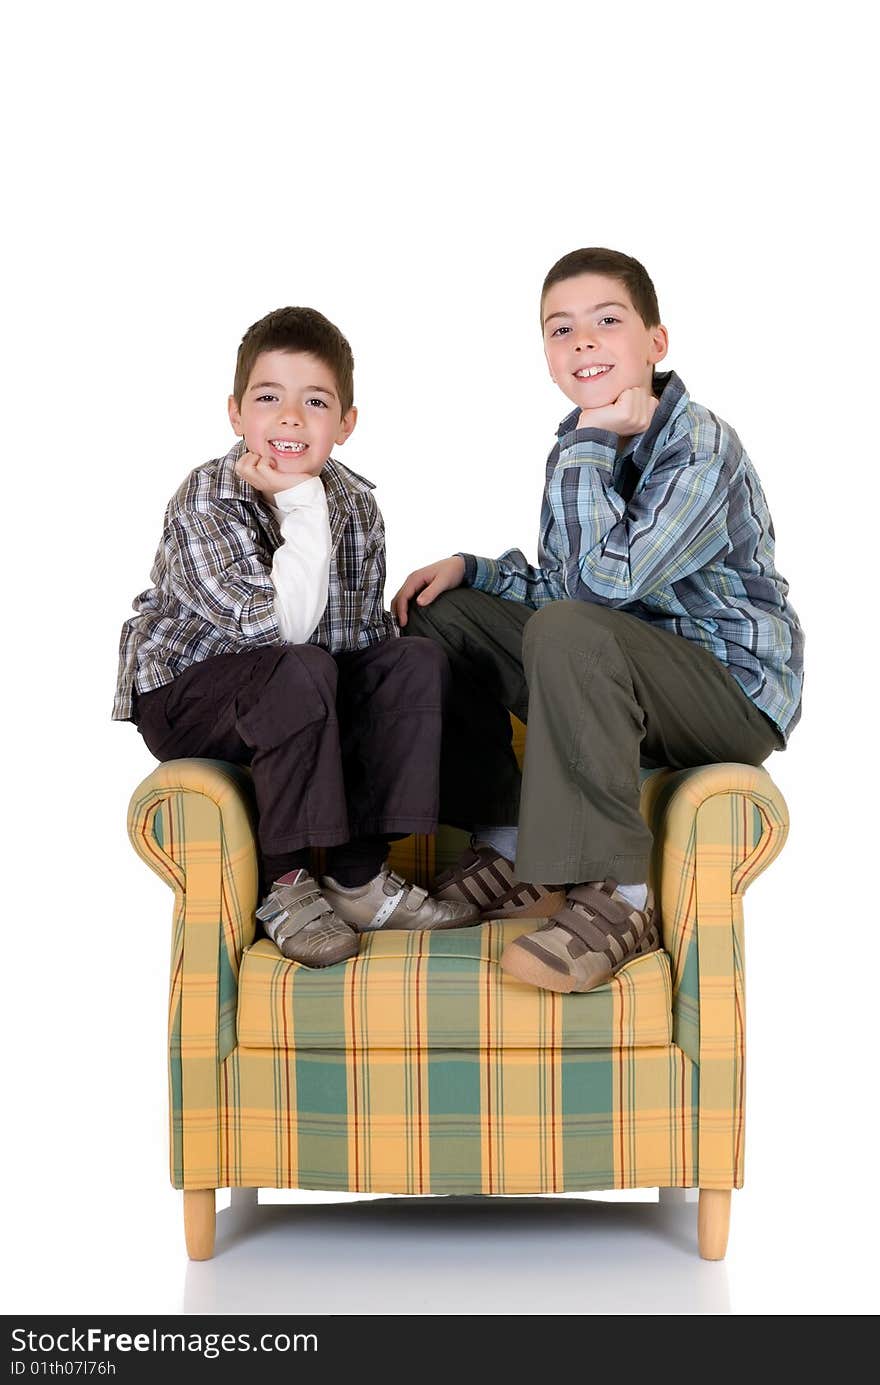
x: 418, y: 1066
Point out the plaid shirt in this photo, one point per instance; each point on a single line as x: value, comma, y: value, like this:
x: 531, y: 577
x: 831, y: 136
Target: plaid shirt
x: 212, y: 587
x: 675, y: 530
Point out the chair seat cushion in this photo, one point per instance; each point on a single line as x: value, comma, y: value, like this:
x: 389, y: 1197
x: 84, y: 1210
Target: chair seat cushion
x: 421, y: 991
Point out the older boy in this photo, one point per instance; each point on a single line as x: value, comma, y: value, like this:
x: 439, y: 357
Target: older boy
x: 264, y: 641
x: 655, y: 630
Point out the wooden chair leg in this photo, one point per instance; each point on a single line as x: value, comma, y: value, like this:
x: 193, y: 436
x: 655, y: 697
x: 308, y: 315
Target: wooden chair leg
x: 199, y: 1219
x: 713, y: 1222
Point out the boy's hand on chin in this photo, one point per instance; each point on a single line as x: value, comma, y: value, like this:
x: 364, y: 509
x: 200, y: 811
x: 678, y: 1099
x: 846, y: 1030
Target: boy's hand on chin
x: 630, y: 413
x: 429, y: 581
x: 262, y: 473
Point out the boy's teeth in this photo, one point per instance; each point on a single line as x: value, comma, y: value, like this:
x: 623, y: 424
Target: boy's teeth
x: 593, y: 370
x: 290, y: 446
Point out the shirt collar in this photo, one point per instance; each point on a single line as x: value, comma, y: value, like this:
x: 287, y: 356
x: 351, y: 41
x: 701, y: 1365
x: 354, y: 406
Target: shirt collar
x: 670, y: 392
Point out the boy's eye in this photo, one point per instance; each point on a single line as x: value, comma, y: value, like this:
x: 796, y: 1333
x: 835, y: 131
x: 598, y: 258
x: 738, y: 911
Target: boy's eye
x: 265, y: 398
x: 319, y: 402
x: 560, y: 331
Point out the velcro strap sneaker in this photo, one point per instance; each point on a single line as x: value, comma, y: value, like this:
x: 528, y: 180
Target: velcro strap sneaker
x: 582, y: 946
x: 303, y: 926
x: 388, y: 901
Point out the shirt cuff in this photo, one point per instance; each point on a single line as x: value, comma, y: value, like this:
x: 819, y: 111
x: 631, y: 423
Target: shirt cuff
x: 594, y: 445
x: 470, y: 568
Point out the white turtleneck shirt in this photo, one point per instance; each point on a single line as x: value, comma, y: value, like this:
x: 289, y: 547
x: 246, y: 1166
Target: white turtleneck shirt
x: 301, y: 563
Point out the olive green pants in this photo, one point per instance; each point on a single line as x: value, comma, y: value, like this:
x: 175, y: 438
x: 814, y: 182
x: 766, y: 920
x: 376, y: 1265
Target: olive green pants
x: 604, y: 693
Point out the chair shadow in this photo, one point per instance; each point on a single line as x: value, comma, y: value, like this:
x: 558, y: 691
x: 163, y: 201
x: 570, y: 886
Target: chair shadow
x: 457, y: 1256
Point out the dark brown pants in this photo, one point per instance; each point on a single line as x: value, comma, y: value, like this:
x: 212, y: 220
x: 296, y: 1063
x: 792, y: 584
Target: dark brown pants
x: 603, y: 693
x: 340, y: 746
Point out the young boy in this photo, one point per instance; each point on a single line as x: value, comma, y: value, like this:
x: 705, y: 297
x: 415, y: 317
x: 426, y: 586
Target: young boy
x: 264, y: 641
x: 655, y: 630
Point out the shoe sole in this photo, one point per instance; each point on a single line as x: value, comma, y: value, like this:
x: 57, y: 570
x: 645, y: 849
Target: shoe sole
x: 430, y: 928
x: 319, y: 966
x: 518, y: 961
x: 525, y: 966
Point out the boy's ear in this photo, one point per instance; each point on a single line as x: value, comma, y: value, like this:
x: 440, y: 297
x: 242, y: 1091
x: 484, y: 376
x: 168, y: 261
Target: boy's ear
x: 235, y: 416
x: 346, y: 427
x: 659, y: 344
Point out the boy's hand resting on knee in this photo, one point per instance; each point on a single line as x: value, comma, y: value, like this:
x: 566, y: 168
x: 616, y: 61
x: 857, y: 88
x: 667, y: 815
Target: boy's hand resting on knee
x: 430, y: 581
x: 630, y: 413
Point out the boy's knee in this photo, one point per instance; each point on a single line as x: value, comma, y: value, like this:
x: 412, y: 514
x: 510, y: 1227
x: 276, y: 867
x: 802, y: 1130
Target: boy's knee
x: 443, y: 610
x: 294, y: 690
x: 425, y: 663
x: 421, y: 651
x: 312, y: 662
x: 570, y: 625
x: 405, y: 673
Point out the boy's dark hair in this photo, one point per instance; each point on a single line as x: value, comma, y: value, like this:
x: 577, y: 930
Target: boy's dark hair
x: 615, y: 265
x: 297, y: 329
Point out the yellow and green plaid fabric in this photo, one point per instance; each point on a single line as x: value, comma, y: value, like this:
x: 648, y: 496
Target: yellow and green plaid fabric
x: 451, y: 1078
x: 442, y: 990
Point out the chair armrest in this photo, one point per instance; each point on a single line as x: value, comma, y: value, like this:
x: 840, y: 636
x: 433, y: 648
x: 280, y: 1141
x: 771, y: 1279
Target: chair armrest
x: 192, y: 821
x: 716, y: 828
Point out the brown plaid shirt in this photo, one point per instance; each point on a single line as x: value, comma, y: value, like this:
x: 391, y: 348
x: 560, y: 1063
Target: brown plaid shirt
x: 212, y: 589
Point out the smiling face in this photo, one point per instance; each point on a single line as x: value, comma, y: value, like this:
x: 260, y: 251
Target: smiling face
x: 596, y: 344
x: 290, y: 411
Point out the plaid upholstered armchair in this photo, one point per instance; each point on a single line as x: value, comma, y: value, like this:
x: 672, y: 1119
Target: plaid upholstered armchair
x: 418, y: 1066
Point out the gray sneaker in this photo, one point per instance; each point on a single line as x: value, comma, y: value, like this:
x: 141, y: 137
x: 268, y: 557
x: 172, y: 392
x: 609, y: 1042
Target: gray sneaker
x: 387, y: 901
x: 303, y: 926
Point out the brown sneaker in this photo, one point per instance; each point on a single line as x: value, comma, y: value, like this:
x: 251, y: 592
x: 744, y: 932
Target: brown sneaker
x: 303, y: 926
x: 583, y: 945
x: 387, y: 901
x: 483, y: 878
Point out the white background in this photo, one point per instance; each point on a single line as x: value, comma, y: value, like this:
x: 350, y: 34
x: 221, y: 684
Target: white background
x: 176, y: 171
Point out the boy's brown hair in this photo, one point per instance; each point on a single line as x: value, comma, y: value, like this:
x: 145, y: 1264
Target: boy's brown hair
x: 615, y: 265
x: 297, y: 329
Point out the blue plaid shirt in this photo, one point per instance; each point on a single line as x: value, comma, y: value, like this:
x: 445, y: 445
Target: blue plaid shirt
x: 675, y: 530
